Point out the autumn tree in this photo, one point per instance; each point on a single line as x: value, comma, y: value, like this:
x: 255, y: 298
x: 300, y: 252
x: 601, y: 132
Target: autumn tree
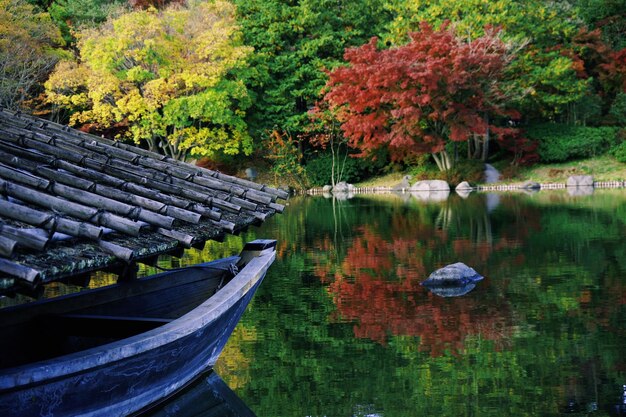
x: 174, y: 78
x: 29, y: 43
x: 414, y: 99
x: 159, y: 4
x: 542, y: 78
x: 607, y: 15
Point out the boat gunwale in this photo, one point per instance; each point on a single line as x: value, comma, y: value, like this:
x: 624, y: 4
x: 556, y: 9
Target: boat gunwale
x: 64, y: 366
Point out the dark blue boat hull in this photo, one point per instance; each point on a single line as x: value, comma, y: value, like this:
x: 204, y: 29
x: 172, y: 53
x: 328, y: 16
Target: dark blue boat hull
x: 139, y: 380
x: 126, y: 375
x: 208, y: 396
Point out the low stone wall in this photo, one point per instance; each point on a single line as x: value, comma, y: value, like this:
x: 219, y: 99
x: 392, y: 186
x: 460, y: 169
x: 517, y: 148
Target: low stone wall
x: 483, y: 187
x: 546, y: 186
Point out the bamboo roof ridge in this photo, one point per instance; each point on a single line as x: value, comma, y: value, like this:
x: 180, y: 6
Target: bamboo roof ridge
x: 72, y: 203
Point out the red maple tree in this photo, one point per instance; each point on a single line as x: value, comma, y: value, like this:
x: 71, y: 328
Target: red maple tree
x: 414, y: 98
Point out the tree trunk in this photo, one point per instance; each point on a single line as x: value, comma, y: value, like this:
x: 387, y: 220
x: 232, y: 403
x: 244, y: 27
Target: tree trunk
x: 334, y: 158
x: 487, y: 138
x: 442, y: 159
x: 477, y: 148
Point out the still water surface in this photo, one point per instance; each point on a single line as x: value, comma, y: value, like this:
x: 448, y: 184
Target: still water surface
x: 342, y: 327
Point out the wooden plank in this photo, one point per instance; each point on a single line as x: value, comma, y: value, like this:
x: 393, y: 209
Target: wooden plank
x: 118, y: 183
x: 86, y: 325
x: 29, y: 237
x: 73, y: 209
x: 23, y: 272
x: 148, y: 157
x: 118, y: 294
x: 7, y: 246
x: 49, y: 221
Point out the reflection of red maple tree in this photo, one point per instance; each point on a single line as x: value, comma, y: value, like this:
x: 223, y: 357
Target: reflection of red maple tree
x: 376, y: 284
x: 378, y: 287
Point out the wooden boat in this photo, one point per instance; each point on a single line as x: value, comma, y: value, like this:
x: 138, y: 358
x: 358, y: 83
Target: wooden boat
x: 112, y: 351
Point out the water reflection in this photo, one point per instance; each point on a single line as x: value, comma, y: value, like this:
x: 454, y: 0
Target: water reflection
x: 345, y: 328
x: 433, y: 195
x: 580, y: 191
x: 208, y: 396
x: 620, y: 408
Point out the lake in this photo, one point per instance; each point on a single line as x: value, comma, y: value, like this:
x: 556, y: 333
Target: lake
x: 342, y: 327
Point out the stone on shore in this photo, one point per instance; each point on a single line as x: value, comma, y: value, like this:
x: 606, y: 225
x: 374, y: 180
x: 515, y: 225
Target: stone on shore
x: 342, y: 187
x: 464, y: 189
x: 580, y: 181
x: 530, y: 185
x: 430, y: 185
x: 403, y: 185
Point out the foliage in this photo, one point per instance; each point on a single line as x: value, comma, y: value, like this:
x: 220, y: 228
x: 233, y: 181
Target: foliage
x: 28, y: 51
x: 318, y: 169
x: 175, y: 77
x: 414, y: 98
x: 540, y: 79
x: 607, y: 15
x: 559, y: 142
x: 613, y: 72
x: 619, y: 152
x: 472, y: 171
x: 605, y: 70
x: 294, y: 42
x: 324, y: 132
x: 618, y: 109
x: 519, y: 145
x: 159, y: 4
x: 286, y: 156
x: 72, y: 15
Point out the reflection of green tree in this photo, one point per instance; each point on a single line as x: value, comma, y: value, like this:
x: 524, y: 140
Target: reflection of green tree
x: 558, y: 267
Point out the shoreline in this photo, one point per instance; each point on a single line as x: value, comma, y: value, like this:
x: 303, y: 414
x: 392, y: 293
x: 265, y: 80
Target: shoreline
x: 479, y: 188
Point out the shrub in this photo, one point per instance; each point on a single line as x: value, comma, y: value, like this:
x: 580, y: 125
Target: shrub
x: 471, y: 170
x: 618, y: 108
x: 558, y: 143
x: 619, y: 152
x: 351, y: 170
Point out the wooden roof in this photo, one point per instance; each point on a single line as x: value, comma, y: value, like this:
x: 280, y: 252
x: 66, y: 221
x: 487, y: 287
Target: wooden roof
x: 73, y: 203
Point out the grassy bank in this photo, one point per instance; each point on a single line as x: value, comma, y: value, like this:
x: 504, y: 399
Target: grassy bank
x: 603, y: 168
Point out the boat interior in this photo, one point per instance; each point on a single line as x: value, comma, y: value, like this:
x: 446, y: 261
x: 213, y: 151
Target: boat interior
x: 50, y: 328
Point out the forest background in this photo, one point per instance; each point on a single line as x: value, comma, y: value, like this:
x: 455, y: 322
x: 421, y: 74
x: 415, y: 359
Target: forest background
x: 318, y: 91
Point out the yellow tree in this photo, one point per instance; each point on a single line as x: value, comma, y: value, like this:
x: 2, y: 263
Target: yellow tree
x: 28, y: 50
x: 175, y: 78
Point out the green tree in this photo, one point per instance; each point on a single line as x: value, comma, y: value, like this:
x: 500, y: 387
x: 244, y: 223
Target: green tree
x: 294, y: 43
x: 72, y: 15
x: 607, y: 15
x: 174, y: 79
x: 29, y: 43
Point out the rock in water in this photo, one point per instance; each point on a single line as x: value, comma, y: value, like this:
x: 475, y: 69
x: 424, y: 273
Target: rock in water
x: 455, y: 275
